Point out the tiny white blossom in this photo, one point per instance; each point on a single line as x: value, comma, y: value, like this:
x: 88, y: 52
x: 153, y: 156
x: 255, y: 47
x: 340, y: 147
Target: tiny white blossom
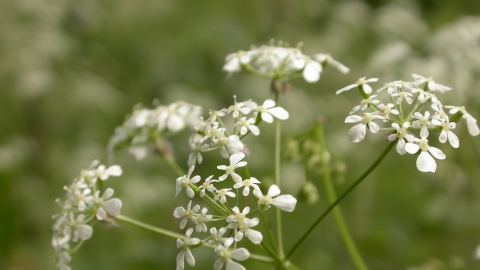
x: 201, y: 219
x: 327, y: 59
x: 185, y: 181
x: 425, y: 161
x: 228, y: 145
x: 80, y: 230
x: 357, y: 133
x: 234, y: 61
x: 362, y: 82
x: 247, y: 183
x: 423, y: 122
x: 226, y: 256
x: 222, y: 193
x: 237, y: 108
x: 471, y: 122
x: 403, y: 96
x: 364, y: 104
x: 185, y: 254
x: 105, y: 205
x: 392, y: 87
x: 243, y: 224
x: 431, y: 84
x: 401, y: 134
x: 422, y: 94
x: 207, y: 185
x: 386, y: 110
x: 235, y: 162
x: 62, y: 261
x: 217, y: 238
x: 185, y: 213
x: 246, y: 125
x: 448, y: 134
x: 283, y: 202
x: 268, y: 110
x: 197, y: 147
x: 311, y: 71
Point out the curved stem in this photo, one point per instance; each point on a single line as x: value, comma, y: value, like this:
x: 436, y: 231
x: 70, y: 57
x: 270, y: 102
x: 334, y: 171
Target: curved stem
x: 149, y: 227
x: 330, y: 208
x: 337, y: 212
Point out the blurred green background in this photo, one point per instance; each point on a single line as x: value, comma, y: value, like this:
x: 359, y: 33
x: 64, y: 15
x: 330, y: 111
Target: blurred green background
x: 70, y: 70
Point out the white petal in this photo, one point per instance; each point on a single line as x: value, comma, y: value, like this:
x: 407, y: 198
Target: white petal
x: 175, y: 122
x: 84, y: 232
x: 113, y: 207
x: 437, y: 153
x: 268, y: 104
x: 346, y: 88
x: 231, y: 265
x: 453, y: 139
x: 374, y: 128
x: 107, y: 194
x: 426, y: 163
x: 190, y: 192
x: 424, y: 132
x: 355, y: 109
x: 472, y: 126
x: 236, y: 177
x: 267, y: 117
x: 279, y: 113
x: 189, y: 257
x: 240, y: 254
x: 218, y: 265
x: 367, y: 88
x: 443, y: 136
x: 180, y: 260
x: 401, y: 147
x: 101, y: 215
x: 357, y: 133
x: 254, y: 129
x: 235, y: 158
x: 285, y: 202
x: 255, y: 236
x: 179, y: 212
x: 114, y: 170
x: 273, y: 191
x: 353, y: 119
x: 311, y: 72
x: 412, y: 148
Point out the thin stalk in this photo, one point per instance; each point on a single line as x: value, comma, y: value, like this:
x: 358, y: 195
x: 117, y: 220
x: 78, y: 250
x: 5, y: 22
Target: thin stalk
x: 278, y: 138
x: 269, y: 232
x: 149, y: 227
x: 337, y: 212
x: 330, y: 208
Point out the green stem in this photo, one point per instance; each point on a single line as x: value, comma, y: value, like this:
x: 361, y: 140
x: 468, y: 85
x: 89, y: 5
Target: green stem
x: 269, y: 232
x: 337, y: 212
x: 278, y: 138
x: 174, y: 165
x: 149, y: 227
x: 330, y: 208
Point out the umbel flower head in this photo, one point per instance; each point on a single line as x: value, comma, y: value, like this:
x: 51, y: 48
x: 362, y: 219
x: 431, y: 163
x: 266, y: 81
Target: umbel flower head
x: 80, y: 208
x: 414, y: 115
x: 280, y: 62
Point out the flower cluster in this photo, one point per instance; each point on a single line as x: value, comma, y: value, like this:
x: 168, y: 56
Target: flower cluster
x: 413, y: 108
x: 237, y: 222
x: 212, y: 133
x: 145, y: 125
x: 281, y: 62
x: 84, y: 203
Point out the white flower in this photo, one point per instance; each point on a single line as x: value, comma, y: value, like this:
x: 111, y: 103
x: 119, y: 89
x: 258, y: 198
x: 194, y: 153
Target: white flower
x: 431, y: 84
x: 217, y: 238
x: 247, y: 183
x: 327, y: 59
x: 222, y: 193
x: 357, y: 133
x: 283, y: 202
x: 364, y: 104
x: 243, y: 224
x: 185, y: 181
x: 201, y: 219
x: 105, y: 205
x: 185, y: 254
x: 235, y: 162
x: 228, y: 145
x: 226, y: 256
x: 185, y: 213
x: 246, y: 125
x: 392, y: 87
x: 425, y: 161
x: 207, y: 185
x: 268, y: 110
x: 103, y: 173
x: 401, y: 134
x: 238, y: 108
x: 403, y: 96
x: 422, y: 94
x: 362, y: 83
x: 471, y: 122
x: 62, y: 261
x: 422, y: 122
x: 386, y: 110
x: 234, y: 61
x: 80, y: 231
x: 447, y: 133
x: 311, y: 71
x: 196, y: 146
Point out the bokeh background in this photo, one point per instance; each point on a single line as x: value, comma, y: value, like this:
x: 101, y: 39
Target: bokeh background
x: 70, y: 70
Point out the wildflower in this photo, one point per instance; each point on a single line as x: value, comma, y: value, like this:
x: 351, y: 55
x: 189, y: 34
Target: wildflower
x: 447, y: 133
x: 283, y: 202
x: 62, y: 260
x: 185, y: 254
x: 247, y: 183
x: 357, y: 133
x: 217, y: 238
x: 365, y: 103
x: 243, y: 224
x: 185, y: 181
x: 80, y: 230
x: 361, y: 83
x: 386, y: 110
x: 222, y: 193
x: 207, y: 185
x: 425, y: 161
x: 401, y: 135
x: 431, y: 84
x: 197, y: 147
x: 471, y: 122
x: 228, y: 145
x: 185, y: 213
x: 392, y: 87
x: 234, y: 61
x: 268, y: 110
x: 201, y: 219
x: 246, y: 125
x: 326, y: 59
x: 423, y: 122
x: 238, y: 108
x: 226, y: 256
x: 311, y: 71
x: 235, y: 162
x: 105, y: 205
x: 103, y: 173
x: 403, y: 96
